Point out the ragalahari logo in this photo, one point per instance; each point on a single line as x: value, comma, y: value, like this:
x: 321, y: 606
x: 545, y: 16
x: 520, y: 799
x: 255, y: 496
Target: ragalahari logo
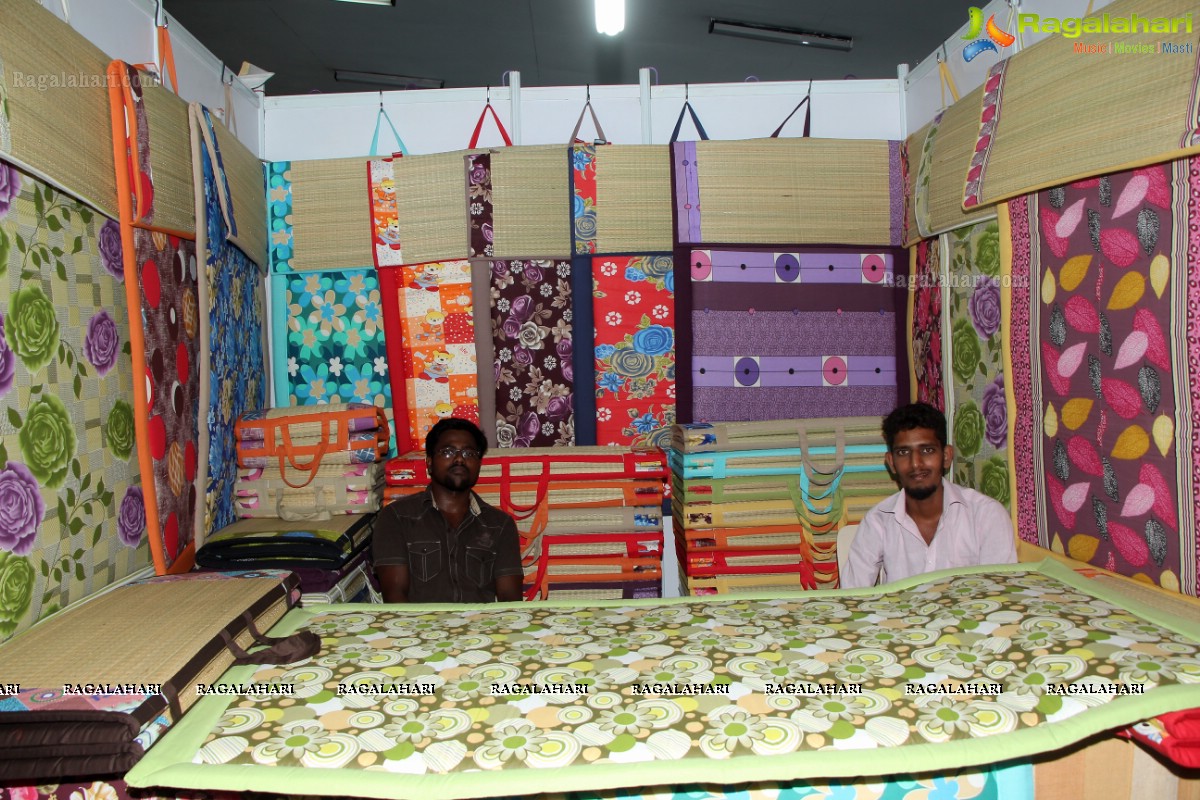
x: 995, y: 35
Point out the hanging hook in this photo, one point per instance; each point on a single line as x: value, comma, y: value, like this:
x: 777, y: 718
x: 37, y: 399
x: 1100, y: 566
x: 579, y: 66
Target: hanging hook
x: 589, y: 93
x: 686, y: 92
x: 381, y: 99
x: 488, y: 98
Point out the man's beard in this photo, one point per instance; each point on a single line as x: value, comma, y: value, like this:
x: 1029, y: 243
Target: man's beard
x: 920, y: 492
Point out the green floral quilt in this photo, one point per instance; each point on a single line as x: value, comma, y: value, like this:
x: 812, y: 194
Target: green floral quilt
x: 950, y: 669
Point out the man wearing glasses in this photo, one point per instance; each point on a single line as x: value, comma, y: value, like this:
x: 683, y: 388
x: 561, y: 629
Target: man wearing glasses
x: 931, y: 523
x: 446, y: 545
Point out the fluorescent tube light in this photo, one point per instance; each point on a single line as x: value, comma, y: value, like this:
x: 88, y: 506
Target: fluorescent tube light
x: 383, y: 79
x: 610, y: 16
x: 781, y: 35
x: 372, y: 2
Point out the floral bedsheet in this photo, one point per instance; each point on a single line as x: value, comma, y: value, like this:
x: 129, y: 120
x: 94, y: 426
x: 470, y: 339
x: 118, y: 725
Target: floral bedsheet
x: 989, y: 664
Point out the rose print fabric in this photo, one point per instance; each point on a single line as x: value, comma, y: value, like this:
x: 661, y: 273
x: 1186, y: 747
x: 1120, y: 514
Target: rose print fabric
x: 72, y: 516
x: 479, y: 205
x: 1106, y: 378
x: 531, y: 308
x: 583, y: 188
x: 634, y: 319
x: 979, y: 417
x: 434, y: 322
x: 925, y: 294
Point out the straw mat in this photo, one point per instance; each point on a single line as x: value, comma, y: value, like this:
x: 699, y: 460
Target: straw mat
x: 774, y: 434
x: 331, y: 214
x: 530, y: 201
x: 431, y: 203
x: 914, y: 146
x: 1061, y: 115
x: 141, y: 633
x: 633, y: 199
x: 244, y: 172
x: 60, y: 134
x: 950, y: 154
x: 170, y: 158
x: 802, y: 191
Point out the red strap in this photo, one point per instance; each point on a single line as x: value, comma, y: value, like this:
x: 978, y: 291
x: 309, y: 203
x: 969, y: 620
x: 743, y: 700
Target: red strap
x: 479, y: 128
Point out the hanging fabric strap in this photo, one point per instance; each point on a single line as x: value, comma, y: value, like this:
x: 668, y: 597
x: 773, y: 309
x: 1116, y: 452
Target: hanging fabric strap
x: 230, y: 117
x: 595, y: 122
x: 379, y: 118
x: 479, y: 128
x: 947, y: 81
x: 166, y: 66
x: 807, y: 115
x: 687, y: 108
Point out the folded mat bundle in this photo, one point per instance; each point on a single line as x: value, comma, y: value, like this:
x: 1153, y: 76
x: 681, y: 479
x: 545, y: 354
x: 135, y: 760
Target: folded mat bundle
x: 353, y: 583
x: 305, y: 439
x: 283, y: 544
x: 291, y: 494
x: 538, y: 464
x: 1004, y: 663
x: 88, y: 706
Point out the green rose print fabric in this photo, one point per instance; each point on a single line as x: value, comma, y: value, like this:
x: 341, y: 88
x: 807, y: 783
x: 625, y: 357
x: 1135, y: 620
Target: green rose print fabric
x: 72, y: 518
x: 1016, y: 636
x: 980, y: 411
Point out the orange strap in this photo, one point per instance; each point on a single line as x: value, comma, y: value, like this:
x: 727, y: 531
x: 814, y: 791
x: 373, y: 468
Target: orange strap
x: 166, y: 66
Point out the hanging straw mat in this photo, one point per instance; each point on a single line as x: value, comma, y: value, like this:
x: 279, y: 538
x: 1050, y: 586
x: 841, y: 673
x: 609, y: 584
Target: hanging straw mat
x: 331, y: 215
x: 60, y: 134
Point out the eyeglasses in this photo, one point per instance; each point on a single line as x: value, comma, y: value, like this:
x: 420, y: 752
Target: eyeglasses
x: 468, y: 453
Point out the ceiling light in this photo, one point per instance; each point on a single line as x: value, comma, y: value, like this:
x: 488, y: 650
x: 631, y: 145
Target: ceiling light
x: 610, y: 16
x: 383, y: 79
x: 372, y: 2
x: 781, y: 35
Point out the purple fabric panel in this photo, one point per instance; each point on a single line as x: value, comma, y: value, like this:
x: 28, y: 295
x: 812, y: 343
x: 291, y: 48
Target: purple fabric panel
x: 733, y: 404
x: 687, y: 192
x: 896, y: 193
x: 794, y: 298
x: 780, y: 333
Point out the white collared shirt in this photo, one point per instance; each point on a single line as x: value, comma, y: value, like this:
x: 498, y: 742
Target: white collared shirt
x: 974, y: 530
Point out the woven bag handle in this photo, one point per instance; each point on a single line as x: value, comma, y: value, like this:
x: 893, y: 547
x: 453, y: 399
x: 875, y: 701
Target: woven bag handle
x: 286, y: 456
x: 595, y: 121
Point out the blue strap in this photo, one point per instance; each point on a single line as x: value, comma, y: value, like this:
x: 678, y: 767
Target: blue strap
x: 402, y: 150
x: 687, y: 107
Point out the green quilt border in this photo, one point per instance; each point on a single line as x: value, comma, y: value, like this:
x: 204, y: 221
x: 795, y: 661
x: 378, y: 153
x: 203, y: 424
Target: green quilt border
x: 169, y: 763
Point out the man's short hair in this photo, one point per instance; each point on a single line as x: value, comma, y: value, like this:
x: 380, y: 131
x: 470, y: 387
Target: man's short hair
x: 911, y: 417
x: 457, y: 424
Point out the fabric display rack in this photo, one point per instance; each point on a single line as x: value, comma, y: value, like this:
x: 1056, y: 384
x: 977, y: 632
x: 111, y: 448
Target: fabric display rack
x: 758, y: 506
x: 590, y: 518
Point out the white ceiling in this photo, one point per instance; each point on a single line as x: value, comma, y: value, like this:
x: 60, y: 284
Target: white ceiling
x: 554, y: 42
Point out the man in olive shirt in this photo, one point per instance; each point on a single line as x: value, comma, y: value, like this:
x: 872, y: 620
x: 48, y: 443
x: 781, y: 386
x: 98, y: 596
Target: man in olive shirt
x: 446, y: 545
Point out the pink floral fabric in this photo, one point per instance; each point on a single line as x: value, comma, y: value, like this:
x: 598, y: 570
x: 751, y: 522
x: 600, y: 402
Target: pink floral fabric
x: 926, y: 293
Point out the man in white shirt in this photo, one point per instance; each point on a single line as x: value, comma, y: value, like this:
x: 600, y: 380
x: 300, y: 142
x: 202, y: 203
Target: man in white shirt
x: 931, y: 523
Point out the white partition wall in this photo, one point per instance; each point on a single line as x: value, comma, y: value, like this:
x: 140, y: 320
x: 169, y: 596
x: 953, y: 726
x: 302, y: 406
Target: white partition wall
x: 125, y: 29
x: 441, y: 120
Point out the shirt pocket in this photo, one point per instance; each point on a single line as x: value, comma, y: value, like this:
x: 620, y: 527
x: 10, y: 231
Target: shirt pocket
x: 424, y: 560
x: 481, y: 562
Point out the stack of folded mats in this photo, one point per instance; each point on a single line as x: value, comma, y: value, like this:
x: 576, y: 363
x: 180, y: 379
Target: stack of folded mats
x: 90, y: 689
x: 590, y: 518
x: 299, y: 463
x: 758, y: 505
x: 330, y: 557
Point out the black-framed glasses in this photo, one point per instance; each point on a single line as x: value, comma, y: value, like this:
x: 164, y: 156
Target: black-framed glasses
x: 468, y: 453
